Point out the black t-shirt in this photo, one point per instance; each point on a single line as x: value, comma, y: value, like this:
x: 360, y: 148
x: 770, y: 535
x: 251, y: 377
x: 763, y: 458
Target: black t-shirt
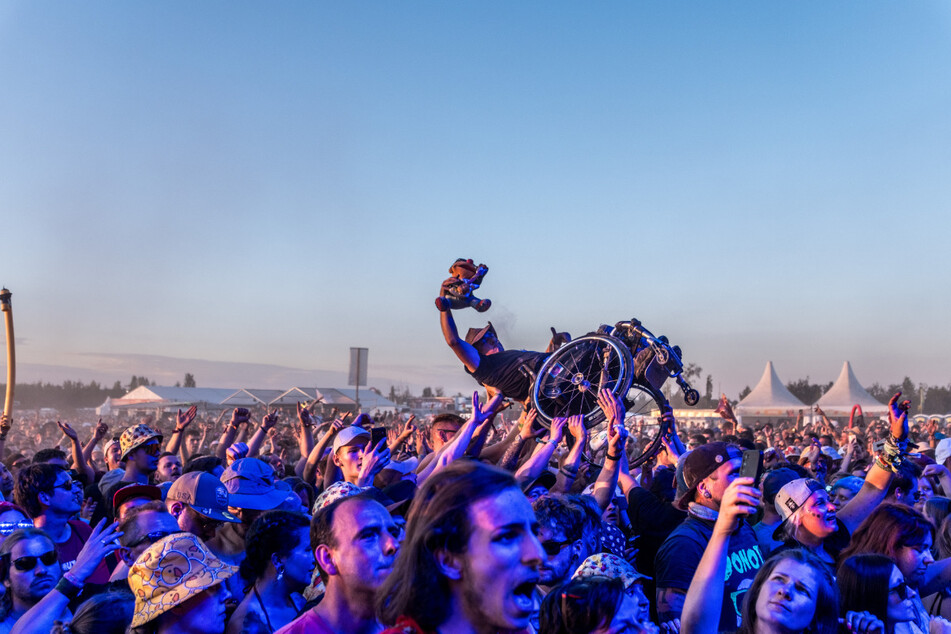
x: 510, y: 371
x: 680, y: 555
x: 834, y: 544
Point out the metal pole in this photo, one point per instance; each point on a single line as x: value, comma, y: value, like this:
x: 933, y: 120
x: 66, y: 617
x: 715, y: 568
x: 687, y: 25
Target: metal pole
x: 7, y: 309
x: 357, y: 393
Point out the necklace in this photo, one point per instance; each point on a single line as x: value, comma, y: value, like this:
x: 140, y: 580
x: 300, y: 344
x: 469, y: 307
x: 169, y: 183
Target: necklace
x: 263, y: 609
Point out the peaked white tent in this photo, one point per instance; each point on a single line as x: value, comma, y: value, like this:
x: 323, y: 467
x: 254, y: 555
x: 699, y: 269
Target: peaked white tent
x: 847, y: 392
x: 769, y: 398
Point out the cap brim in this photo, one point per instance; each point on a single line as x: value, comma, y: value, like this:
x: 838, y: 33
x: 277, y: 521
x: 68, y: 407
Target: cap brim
x: 258, y: 501
x: 779, y: 535
x: 221, y: 516
x: 683, y: 502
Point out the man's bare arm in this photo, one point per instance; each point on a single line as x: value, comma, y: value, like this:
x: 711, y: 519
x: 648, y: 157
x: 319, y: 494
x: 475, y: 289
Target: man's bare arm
x: 464, y: 350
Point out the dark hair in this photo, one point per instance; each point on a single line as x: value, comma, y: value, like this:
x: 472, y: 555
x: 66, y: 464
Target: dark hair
x: 906, y: 477
x: 106, y: 613
x: 455, y: 419
x: 580, y: 605
x: 557, y: 513
x: 166, y: 453
x: 128, y: 525
x: 31, y: 480
x: 826, y: 618
x: 47, y: 454
x: 17, y: 536
x: 438, y: 521
x: 298, y: 486
x: 208, y: 464
x: 863, y: 584
x: 887, y: 529
x: 270, y: 534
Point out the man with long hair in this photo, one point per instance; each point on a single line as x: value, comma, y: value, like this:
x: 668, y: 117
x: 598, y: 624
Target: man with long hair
x: 469, y: 561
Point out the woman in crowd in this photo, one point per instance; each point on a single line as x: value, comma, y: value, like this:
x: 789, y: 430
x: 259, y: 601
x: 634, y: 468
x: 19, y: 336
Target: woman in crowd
x: 905, y: 536
x: 106, y: 613
x: 590, y: 605
x: 278, y: 567
x: 874, y: 585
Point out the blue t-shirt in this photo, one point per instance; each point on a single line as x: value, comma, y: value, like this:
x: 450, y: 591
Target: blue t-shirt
x: 680, y: 555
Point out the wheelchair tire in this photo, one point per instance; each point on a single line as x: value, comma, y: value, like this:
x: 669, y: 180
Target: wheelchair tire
x: 567, y: 383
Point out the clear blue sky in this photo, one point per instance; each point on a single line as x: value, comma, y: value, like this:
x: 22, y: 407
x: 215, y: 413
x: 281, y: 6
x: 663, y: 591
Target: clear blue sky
x: 276, y: 182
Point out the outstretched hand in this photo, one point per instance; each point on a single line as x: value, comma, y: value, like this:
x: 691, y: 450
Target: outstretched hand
x: 898, y: 417
x: 67, y: 430
x: 374, y: 460
x: 184, y: 420
x: 304, y: 415
x: 481, y: 414
x: 102, y: 541
x: 270, y: 420
x: 612, y: 407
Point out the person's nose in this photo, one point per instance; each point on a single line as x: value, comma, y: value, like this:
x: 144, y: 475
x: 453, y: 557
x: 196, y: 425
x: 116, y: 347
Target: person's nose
x: 390, y: 545
x: 928, y: 559
x: 532, y: 552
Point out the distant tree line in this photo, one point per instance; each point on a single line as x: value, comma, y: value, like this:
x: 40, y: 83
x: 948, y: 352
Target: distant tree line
x: 925, y: 399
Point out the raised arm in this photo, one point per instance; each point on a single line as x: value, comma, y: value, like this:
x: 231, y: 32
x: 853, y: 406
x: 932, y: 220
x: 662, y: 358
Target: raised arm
x: 79, y: 462
x: 705, y: 596
x: 267, y: 424
x: 305, y: 436
x: 97, y: 435
x: 182, y: 421
x: 239, y: 416
x: 880, y: 474
x: 404, y: 434
x: 464, y: 350
x: 568, y: 472
x: 613, y: 410
x: 540, y: 458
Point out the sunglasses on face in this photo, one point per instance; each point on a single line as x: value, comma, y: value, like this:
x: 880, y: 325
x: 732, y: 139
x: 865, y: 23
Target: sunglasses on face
x: 552, y: 548
x: 25, y: 564
x: 151, y: 448
x: 151, y: 538
x: 66, y: 486
x: 901, y: 590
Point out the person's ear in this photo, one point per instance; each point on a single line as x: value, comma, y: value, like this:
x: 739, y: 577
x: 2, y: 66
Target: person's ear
x: 43, y: 498
x: 175, y: 509
x: 336, y: 461
x: 126, y: 556
x: 325, y: 560
x: 448, y: 564
x: 899, y: 493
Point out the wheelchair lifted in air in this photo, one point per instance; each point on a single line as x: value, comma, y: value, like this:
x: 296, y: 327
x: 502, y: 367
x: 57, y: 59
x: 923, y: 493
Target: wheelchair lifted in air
x: 627, y: 360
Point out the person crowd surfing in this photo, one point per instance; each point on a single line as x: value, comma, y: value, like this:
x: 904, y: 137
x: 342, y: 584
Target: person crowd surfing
x: 472, y: 523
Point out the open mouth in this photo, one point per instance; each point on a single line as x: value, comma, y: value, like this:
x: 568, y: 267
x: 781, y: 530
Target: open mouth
x: 522, y: 593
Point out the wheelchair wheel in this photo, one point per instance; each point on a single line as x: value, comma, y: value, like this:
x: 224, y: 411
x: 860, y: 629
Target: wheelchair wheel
x: 568, y: 382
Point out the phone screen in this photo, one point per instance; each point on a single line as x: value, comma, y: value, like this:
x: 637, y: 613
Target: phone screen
x: 376, y: 435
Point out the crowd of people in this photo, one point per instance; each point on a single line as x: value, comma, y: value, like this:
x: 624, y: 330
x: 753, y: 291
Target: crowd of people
x: 264, y: 522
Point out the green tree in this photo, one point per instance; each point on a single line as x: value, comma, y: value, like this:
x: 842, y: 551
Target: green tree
x: 806, y: 391
x: 427, y: 392
x: 189, y: 380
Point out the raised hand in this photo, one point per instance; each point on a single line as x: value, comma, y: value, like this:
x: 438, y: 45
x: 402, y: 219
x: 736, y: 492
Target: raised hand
x: 898, y: 417
x: 101, y: 430
x: 6, y: 423
x: 183, y: 420
x: 409, y: 428
x: 67, y: 430
x: 240, y: 416
x: 740, y: 499
x: 612, y: 407
x: 480, y: 414
x: 557, y: 430
x: 576, y: 427
x: 270, y: 420
x: 304, y: 415
x: 373, y: 461
x: 103, y: 541
x: 525, y: 424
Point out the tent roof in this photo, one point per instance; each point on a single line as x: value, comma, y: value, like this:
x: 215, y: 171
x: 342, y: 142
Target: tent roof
x: 768, y: 395
x: 369, y: 399
x: 172, y: 394
x: 846, y: 392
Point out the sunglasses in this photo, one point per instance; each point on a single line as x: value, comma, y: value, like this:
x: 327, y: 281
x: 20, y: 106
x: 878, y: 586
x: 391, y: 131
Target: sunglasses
x: 25, y: 564
x: 66, y: 486
x: 151, y: 538
x: 901, y: 590
x: 153, y: 449
x: 552, y: 548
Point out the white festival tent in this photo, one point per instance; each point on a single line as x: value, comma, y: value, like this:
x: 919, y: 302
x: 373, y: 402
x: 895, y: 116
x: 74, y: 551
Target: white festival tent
x: 847, y: 392
x: 769, y: 398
